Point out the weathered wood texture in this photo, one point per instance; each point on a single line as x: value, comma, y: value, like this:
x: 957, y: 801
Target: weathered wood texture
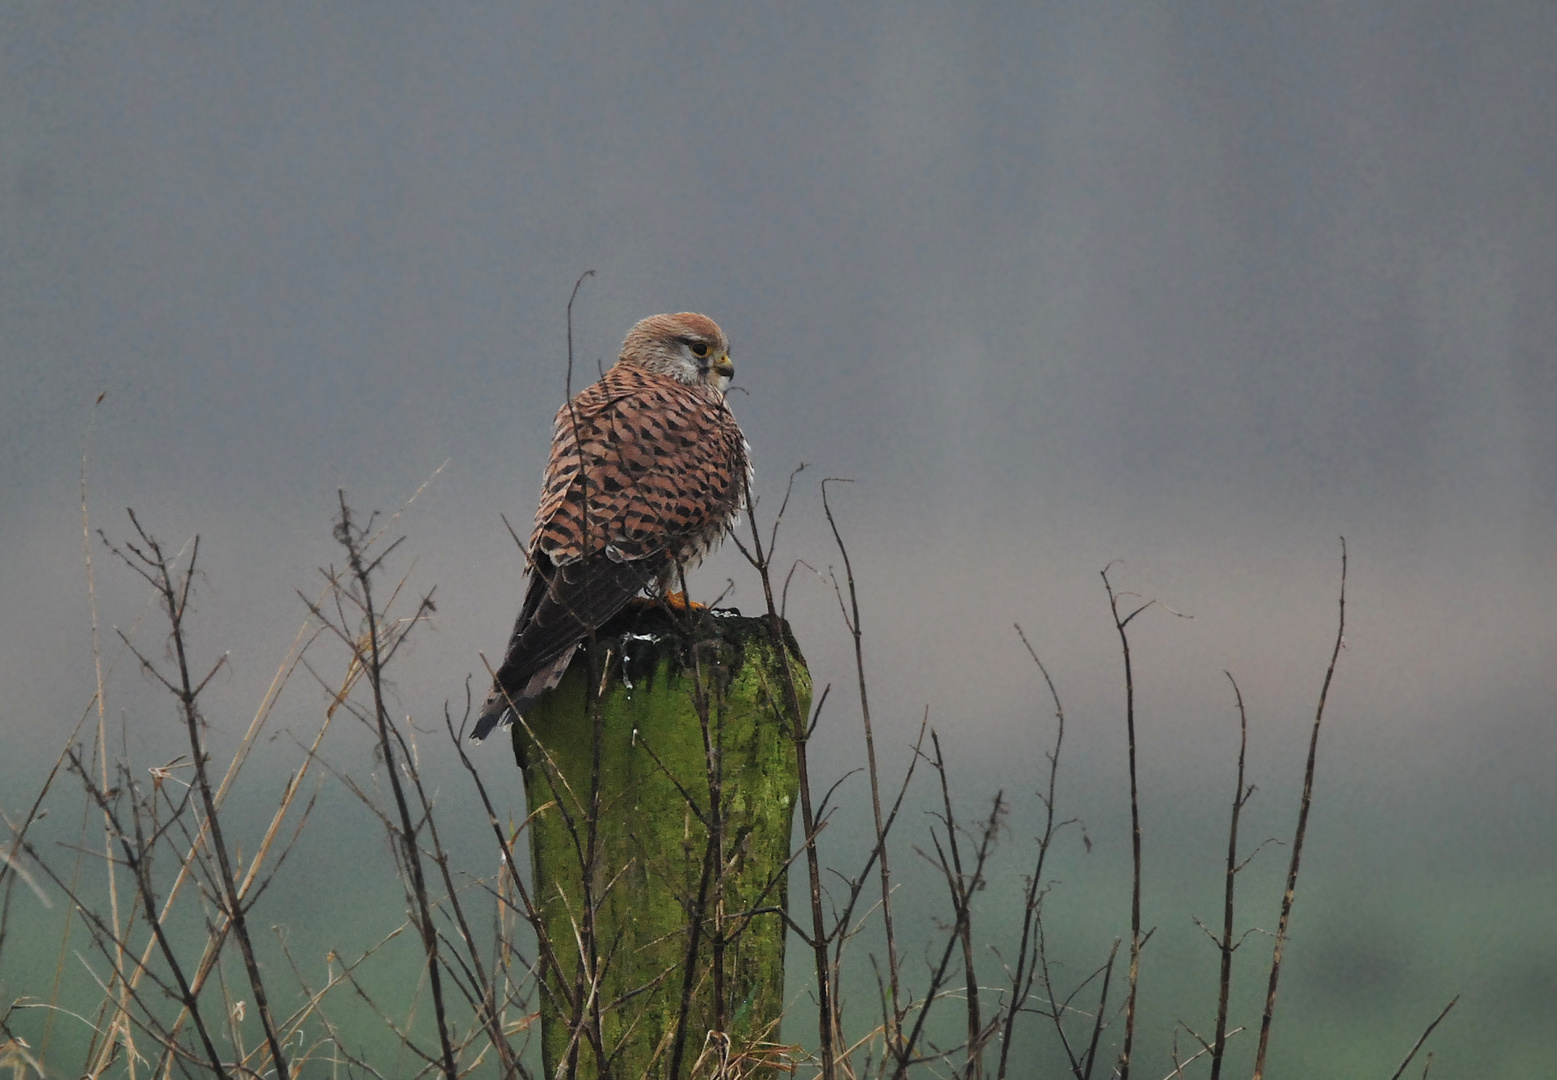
x: 665, y: 765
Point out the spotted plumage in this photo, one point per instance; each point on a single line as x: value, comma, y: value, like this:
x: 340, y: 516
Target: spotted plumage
x: 648, y: 469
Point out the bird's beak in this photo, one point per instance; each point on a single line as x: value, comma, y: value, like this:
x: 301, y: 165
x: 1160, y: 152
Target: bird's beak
x: 724, y: 368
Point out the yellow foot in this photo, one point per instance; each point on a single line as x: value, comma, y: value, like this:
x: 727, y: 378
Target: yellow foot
x: 677, y: 601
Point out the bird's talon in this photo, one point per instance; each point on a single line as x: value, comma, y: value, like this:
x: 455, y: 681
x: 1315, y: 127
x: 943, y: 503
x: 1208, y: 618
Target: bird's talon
x: 678, y: 602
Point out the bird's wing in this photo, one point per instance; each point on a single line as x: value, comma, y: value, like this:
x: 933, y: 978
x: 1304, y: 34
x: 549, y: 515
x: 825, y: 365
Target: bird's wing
x: 562, y: 605
x: 644, y: 471
x: 641, y: 467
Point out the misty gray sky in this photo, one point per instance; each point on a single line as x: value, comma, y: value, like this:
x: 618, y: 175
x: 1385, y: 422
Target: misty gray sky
x: 1199, y: 286
x: 1054, y: 283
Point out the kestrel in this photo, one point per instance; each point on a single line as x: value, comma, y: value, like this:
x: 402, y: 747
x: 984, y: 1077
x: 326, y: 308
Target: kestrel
x: 648, y: 469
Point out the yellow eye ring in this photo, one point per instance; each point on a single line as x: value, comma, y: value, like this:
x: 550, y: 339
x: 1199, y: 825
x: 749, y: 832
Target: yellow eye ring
x: 699, y: 349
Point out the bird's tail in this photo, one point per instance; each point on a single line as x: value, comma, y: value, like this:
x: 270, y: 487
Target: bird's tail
x: 502, y: 707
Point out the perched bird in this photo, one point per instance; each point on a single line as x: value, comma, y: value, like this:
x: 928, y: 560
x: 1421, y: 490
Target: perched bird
x: 648, y: 469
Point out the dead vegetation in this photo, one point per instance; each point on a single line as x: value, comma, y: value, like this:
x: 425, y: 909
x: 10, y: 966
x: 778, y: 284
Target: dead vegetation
x: 166, y: 920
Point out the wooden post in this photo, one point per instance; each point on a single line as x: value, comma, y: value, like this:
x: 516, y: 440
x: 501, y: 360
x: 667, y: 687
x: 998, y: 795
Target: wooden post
x: 675, y: 767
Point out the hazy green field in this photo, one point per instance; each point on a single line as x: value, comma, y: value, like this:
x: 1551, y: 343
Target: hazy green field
x: 1380, y: 943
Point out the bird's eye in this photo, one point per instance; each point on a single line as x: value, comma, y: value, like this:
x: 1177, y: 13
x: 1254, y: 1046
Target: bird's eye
x: 699, y: 349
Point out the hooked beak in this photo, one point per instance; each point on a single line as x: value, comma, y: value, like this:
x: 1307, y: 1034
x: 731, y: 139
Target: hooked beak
x: 724, y: 368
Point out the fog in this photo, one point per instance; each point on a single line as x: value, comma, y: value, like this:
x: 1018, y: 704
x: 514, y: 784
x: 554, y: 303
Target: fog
x: 1200, y: 288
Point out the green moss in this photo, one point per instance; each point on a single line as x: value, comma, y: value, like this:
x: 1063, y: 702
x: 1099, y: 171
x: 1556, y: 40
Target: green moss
x: 655, y: 785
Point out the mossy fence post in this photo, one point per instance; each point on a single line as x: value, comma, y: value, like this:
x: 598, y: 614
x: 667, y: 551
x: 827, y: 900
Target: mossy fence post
x: 688, y: 854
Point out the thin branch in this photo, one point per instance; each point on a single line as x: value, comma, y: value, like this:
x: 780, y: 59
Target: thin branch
x: 1226, y: 945
x: 1302, y: 828
x: 1401, y: 1071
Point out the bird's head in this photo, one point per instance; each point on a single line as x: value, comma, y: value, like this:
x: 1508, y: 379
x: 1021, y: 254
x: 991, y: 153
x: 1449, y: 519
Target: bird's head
x: 688, y: 347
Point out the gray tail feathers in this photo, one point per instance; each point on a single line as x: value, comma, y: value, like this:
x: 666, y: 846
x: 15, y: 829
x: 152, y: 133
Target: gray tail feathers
x: 502, y: 706
x: 493, y: 712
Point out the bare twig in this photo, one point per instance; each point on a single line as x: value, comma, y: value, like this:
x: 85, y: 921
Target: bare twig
x: 1422, y: 1039
x: 1022, y: 979
x: 891, y: 1015
x: 1226, y: 944
x: 826, y: 1016
x: 174, y: 595
x: 1120, y: 623
x: 350, y: 537
x: 1302, y: 828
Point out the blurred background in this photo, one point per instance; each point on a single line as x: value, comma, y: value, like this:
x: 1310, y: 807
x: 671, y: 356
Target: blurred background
x: 1200, y: 287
